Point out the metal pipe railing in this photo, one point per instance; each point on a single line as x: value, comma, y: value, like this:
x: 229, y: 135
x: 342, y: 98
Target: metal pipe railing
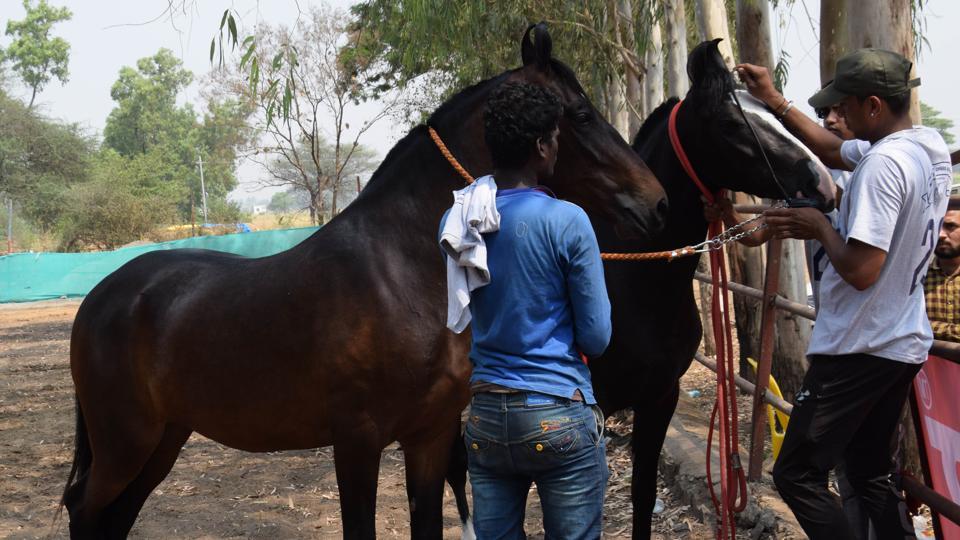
x: 774, y: 400
x: 781, y: 302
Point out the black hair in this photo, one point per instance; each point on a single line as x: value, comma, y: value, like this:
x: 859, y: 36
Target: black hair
x: 898, y: 104
x: 516, y: 115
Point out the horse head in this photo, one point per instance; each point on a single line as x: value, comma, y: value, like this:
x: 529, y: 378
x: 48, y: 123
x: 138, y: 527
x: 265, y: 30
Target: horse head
x: 715, y: 133
x: 596, y: 169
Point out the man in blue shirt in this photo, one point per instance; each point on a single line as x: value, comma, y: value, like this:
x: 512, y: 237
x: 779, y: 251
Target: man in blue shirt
x: 533, y: 417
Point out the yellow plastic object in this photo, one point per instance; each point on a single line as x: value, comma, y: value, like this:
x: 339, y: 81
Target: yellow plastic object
x: 778, y: 420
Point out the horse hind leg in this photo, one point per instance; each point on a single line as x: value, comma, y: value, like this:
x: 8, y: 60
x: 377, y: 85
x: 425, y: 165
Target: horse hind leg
x: 116, y: 462
x: 120, y: 516
x: 426, y: 461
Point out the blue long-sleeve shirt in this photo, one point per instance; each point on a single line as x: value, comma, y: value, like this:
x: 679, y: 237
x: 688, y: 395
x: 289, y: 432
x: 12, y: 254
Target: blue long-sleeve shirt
x: 546, y: 298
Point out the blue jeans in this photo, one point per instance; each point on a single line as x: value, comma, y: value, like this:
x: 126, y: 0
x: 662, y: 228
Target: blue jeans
x: 515, y: 439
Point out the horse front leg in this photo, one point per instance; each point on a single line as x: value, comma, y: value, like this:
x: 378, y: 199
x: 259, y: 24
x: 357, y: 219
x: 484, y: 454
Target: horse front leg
x: 357, y: 461
x: 650, y: 423
x: 426, y: 461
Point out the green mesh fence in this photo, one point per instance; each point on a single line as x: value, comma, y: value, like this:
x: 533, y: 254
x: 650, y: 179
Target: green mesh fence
x: 26, y: 277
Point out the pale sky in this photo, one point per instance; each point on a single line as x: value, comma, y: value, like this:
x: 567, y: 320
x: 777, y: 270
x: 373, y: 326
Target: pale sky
x: 108, y: 34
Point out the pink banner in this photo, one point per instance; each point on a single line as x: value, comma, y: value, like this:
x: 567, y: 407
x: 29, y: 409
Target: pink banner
x: 936, y: 388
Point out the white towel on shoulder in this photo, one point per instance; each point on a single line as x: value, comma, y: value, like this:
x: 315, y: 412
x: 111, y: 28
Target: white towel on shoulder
x: 473, y: 213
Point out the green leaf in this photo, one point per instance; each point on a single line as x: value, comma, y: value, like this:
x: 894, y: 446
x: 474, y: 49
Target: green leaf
x: 223, y: 20
x: 232, y: 25
x: 246, y: 56
x: 213, y: 48
x: 254, y: 74
x: 287, y: 99
x: 277, y: 59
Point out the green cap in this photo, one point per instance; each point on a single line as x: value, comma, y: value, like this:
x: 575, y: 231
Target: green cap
x: 866, y: 72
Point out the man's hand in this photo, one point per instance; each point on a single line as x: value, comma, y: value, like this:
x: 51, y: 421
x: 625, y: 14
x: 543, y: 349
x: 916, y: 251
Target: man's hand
x: 760, y: 85
x: 801, y: 223
x: 720, y: 209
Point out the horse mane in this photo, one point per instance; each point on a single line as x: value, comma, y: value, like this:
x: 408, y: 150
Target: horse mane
x: 449, y: 107
x: 654, y: 120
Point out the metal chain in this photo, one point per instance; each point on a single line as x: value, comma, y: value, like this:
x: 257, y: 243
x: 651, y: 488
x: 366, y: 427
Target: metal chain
x: 733, y: 234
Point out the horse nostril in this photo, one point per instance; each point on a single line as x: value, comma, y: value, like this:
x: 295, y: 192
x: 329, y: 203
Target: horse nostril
x: 662, y: 207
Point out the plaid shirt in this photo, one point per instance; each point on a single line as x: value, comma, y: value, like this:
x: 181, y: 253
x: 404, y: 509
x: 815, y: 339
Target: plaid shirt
x: 942, y: 294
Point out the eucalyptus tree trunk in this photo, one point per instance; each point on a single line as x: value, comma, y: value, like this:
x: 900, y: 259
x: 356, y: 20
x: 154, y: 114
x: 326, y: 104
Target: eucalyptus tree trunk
x: 834, y: 36
x: 675, y: 44
x: 633, y: 89
x: 705, y: 291
x: 888, y: 24
x: 885, y: 24
x: 618, y: 106
x: 653, y: 59
x: 747, y: 267
x: 792, y: 333
x: 712, y: 22
x: 753, y: 32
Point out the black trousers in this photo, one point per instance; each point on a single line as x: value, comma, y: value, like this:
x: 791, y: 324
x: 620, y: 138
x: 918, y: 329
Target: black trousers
x: 845, y: 413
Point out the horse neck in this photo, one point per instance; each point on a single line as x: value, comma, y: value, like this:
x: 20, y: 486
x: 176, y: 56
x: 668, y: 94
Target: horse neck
x: 685, y: 223
x: 412, y: 186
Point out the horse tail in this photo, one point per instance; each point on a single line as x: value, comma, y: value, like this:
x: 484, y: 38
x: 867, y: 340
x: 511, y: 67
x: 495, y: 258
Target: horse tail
x: 457, y: 479
x: 82, y: 458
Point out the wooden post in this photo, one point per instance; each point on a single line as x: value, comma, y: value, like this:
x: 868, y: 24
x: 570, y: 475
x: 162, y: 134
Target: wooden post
x: 759, y: 417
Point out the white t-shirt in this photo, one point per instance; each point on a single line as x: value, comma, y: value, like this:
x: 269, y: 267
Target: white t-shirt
x: 817, y: 260
x: 894, y: 200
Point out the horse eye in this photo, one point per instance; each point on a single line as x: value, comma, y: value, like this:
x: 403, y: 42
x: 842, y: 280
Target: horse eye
x: 581, y: 117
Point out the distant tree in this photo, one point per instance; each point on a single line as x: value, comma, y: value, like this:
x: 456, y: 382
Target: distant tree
x: 39, y: 160
x: 113, y: 208
x: 931, y: 118
x: 313, y: 186
x: 38, y: 57
x: 281, y: 202
x: 316, y: 150
x: 165, y: 140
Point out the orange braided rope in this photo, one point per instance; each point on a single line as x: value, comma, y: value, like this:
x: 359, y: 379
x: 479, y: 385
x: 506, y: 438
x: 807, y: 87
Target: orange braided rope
x: 656, y: 255
x: 649, y: 256
x: 449, y: 155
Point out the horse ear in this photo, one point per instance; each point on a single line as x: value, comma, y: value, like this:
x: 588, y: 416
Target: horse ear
x: 537, y: 46
x: 705, y: 63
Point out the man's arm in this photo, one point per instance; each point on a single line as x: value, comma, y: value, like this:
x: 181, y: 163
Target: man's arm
x: 587, y: 288
x: 821, y: 142
x: 858, y: 263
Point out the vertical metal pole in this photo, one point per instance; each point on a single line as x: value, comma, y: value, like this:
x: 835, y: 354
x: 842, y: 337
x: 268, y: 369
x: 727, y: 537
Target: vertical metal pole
x: 9, y: 225
x: 203, y: 187
x: 771, y: 284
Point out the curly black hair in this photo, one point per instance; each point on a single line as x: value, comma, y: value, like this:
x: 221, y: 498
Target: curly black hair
x: 516, y: 115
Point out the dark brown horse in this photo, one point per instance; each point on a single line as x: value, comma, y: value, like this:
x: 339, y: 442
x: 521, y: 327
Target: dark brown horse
x: 339, y: 341
x: 656, y: 325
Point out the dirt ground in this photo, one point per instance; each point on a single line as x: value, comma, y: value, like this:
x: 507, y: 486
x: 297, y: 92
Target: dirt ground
x: 214, y: 491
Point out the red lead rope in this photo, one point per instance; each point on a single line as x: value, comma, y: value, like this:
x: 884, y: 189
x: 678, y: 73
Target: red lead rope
x: 733, y: 483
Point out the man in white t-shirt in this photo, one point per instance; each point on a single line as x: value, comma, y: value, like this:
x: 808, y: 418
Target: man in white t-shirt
x: 872, y: 334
